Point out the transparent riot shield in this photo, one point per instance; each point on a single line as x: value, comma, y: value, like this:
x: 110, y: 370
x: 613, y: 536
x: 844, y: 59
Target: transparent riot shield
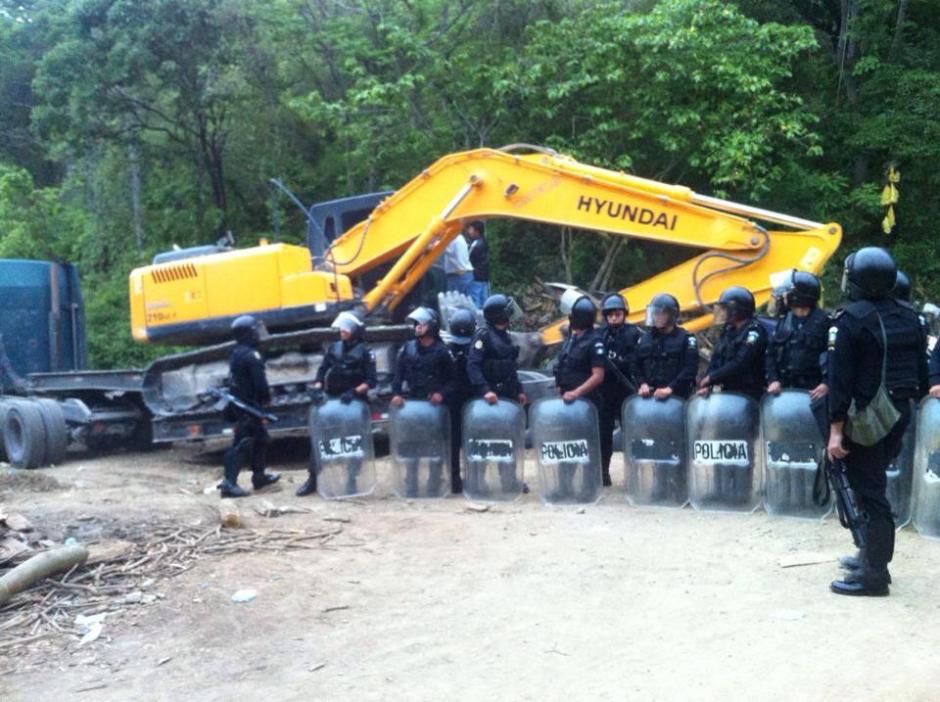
x: 927, y: 470
x: 722, y: 433
x: 341, y: 444
x: 567, y: 447
x: 901, y: 476
x: 654, y: 451
x: 493, y: 450
x: 792, y: 448
x: 420, y: 449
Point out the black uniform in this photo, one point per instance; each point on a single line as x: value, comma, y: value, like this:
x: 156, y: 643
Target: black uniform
x: 620, y: 342
x: 737, y: 363
x: 795, y: 349
x: 461, y: 392
x: 346, y: 366
x: 855, y: 365
x: 424, y: 370
x: 493, y: 366
x: 667, y: 360
x: 579, y: 355
x: 248, y: 382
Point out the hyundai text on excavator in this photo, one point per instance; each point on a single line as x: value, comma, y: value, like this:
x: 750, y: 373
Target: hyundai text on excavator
x: 191, y: 297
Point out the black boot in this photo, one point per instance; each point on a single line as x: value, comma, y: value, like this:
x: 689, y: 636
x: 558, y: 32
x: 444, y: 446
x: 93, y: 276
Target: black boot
x: 260, y: 479
x: 229, y: 485
x: 310, y: 485
x: 229, y: 488
x: 863, y: 583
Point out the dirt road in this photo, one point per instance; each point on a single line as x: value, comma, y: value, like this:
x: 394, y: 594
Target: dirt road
x: 433, y: 601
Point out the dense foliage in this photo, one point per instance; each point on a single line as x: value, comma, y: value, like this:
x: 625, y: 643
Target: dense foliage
x: 129, y: 126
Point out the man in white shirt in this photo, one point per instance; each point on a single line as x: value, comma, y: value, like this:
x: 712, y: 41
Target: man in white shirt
x: 457, y: 266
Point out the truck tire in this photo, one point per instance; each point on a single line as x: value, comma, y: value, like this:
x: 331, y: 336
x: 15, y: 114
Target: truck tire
x: 3, y: 419
x: 57, y: 431
x: 24, y: 435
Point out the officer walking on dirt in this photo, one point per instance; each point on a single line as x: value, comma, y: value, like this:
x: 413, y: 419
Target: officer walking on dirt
x: 876, y: 366
x: 248, y: 383
x: 579, y: 373
x: 463, y: 325
x: 737, y: 363
x: 347, y: 373
x: 798, y: 344
x: 620, y: 340
x: 666, y: 359
x: 426, y: 368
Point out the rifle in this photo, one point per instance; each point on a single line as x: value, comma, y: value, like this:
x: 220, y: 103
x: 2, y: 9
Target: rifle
x: 835, y: 476
x: 621, y: 378
x: 850, y: 517
x: 225, y: 398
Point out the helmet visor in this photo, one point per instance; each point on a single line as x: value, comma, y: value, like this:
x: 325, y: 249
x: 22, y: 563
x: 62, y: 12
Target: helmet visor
x: 721, y: 314
x: 660, y: 316
x: 347, y: 322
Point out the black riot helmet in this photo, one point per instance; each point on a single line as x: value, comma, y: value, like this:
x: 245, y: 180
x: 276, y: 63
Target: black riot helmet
x: 614, y: 302
x: 425, y: 315
x: 498, y: 309
x: 804, y: 291
x: 902, y: 287
x: 248, y: 330
x: 735, y: 304
x: 869, y: 274
x: 663, y: 308
x: 583, y: 313
x: 462, y: 325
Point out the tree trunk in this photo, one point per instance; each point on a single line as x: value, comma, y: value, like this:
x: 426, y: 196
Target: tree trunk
x: 133, y: 159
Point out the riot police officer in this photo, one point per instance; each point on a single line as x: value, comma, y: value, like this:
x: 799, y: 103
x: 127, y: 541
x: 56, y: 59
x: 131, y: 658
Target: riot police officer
x: 463, y: 324
x: 795, y: 359
x: 737, y: 363
x: 248, y: 383
x: 798, y: 343
x: 347, y: 372
x: 492, y: 363
x: 579, y: 373
x: 875, y: 340
x: 493, y: 370
x: 666, y: 359
x: 426, y: 368
x: 620, y: 340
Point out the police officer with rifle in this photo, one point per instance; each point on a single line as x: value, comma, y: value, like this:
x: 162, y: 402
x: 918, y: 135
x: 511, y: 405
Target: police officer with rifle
x: 876, y: 367
x: 620, y: 340
x: 249, y: 386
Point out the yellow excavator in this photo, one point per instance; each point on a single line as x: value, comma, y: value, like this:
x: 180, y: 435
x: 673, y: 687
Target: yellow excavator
x: 193, y: 298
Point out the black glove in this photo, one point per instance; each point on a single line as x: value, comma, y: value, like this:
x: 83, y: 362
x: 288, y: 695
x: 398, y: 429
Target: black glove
x: 317, y: 396
x: 348, y: 397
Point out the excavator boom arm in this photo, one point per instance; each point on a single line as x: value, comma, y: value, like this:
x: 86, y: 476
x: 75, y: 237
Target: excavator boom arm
x: 416, y: 223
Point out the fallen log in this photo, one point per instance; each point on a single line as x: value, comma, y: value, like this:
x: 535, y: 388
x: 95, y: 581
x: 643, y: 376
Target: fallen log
x: 38, y: 567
